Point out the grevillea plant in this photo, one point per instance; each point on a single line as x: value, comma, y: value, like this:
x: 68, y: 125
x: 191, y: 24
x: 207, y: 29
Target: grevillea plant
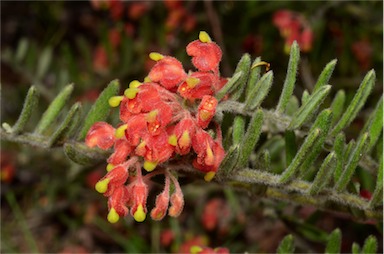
x: 175, y: 123
x: 167, y: 117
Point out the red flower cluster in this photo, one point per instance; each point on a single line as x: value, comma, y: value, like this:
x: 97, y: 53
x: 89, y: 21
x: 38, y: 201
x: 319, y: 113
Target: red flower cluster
x: 293, y: 27
x: 165, y: 116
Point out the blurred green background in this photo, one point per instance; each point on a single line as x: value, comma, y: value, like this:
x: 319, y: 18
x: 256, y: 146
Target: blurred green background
x: 48, y: 203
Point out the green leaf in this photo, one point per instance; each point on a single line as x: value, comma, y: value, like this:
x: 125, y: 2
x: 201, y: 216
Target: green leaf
x: 290, y: 79
x: 230, y: 160
x: 324, y: 123
x: 83, y: 155
x: 374, y: 125
x: 309, y: 108
x: 355, y: 248
x: 29, y: 106
x: 334, y: 242
x: 357, y: 102
x: 259, y: 91
x: 324, y: 174
x: 287, y: 245
x: 377, y: 195
x: 251, y: 137
x: 238, y: 129
x: 293, y: 106
x: 243, y: 66
x: 54, y: 109
x: 337, y: 106
x: 44, y: 63
x: 351, y: 165
x: 254, y: 77
x: 304, y: 97
x: 230, y: 86
x: 339, y: 148
x: 22, y: 49
x: 325, y: 75
x: 290, y: 147
x: 66, y: 125
x: 309, y: 150
x: 265, y: 160
x: 101, y: 108
x: 370, y: 245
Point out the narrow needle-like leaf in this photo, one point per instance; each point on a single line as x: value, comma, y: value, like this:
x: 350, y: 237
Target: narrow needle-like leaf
x: 230, y: 160
x: 231, y: 85
x: 254, y: 77
x: 243, y: 66
x: 370, y: 245
x: 337, y: 106
x: 30, y: 104
x: 351, y: 165
x: 290, y: 79
x: 357, y: 102
x: 339, y: 148
x: 377, y: 195
x: 54, y: 109
x: 324, y: 174
x: 308, y: 109
x: 83, y: 155
x: 238, y: 129
x: 251, y: 137
x: 65, y: 126
x: 290, y: 147
x: 325, y: 75
x: 374, y: 125
x: 100, y: 109
x: 259, y: 91
x: 334, y: 242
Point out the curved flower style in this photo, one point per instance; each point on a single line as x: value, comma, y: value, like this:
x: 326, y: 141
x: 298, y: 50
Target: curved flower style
x: 168, y: 114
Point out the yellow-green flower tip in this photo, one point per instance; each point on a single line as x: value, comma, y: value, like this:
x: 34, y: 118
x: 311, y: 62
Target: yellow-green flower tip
x: 192, y: 82
x: 120, y: 132
x: 149, y: 165
x: 131, y: 93
x: 209, y: 176
x: 147, y: 79
x: 195, y: 249
x: 115, y: 101
x: 172, y: 140
x: 139, y: 215
x: 113, y: 217
x: 135, y: 84
x: 155, y: 56
x: 185, y: 139
x: 204, y: 37
x: 110, y: 167
x: 102, y: 185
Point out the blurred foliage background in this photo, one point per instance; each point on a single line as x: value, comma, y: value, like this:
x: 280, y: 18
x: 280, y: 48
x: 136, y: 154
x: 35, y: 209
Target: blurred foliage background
x: 48, y: 203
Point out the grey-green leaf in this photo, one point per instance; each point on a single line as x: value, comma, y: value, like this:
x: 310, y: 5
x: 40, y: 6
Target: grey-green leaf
x: 44, y: 62
x: 83, y: 155
x: 259, y: 91
x: 243, y: 66
x: 29, y: 106
x: 287, y: 245
x: 355, y: 248
x: 290, y: 78
x: 238, y: 129
x: 325, y: 75
x: 251, y: 137
x: 292, y: 106
x: 337, y: 106
x: 54, y: 109
x: 309, y: 107
x: 353, y: 160
x: 101, y: 108
x: 374, y: 125
x: 230, y: 86
x: 254, y: 77
x: 324, y: 174
x: 230, y: 160
x: 370, y: 245
x: 66, y: 125
x: 290, y: 147
x: 22, y: 49
x: 339, y: 147
x: 357, y: 102
x: 377, y: 195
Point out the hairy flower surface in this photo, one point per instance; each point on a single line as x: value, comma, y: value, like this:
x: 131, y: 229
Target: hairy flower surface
x: 163, y: 119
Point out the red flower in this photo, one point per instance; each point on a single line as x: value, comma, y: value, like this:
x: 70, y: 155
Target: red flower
x: 112, y: 180
x: 100, y: 134
x: 184, y: 131
x: 206, y: 55
x: 122, y: 150
x: 206, y: 111
x: 197, y: 85
x: 168, y: 71
x: 139, y: 200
